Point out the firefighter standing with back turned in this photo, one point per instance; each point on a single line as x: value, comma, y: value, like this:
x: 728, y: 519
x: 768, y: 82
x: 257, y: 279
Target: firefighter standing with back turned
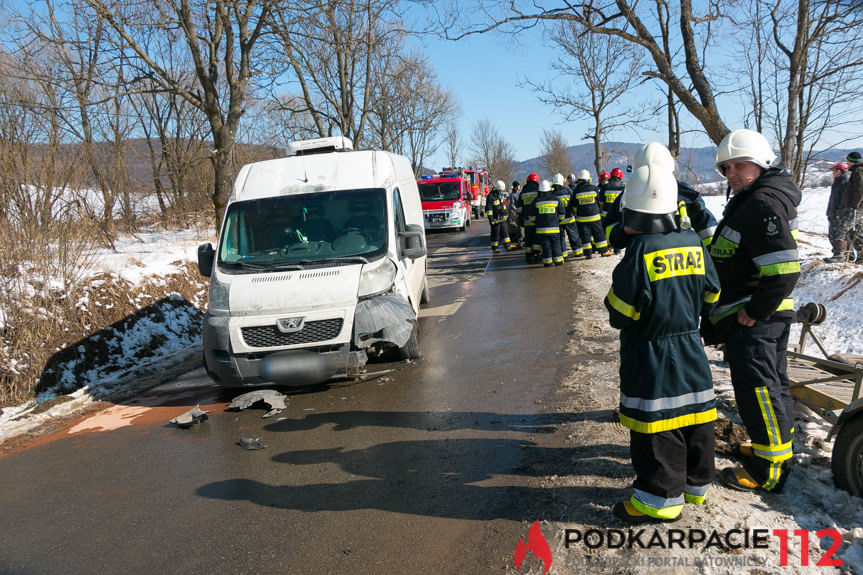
x: 526, y: 216
x: 587, y: 216
x: 660, y: 288
x: 755, y: 253
x: 568, y: 230
x: 495, y: 208
x: 548, y: 214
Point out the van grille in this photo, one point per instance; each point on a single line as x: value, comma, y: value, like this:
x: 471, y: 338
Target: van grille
x: 270, y: 336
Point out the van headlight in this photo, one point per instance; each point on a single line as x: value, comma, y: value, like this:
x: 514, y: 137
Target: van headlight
x: 377, y: 277
x: 219, y: 293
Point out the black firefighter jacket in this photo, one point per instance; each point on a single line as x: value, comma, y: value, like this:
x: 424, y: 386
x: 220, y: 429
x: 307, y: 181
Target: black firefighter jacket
x: 660, y: 288
x: 755, y: 251
x: 585, y: 203
x: 701, y: 219
x: 495, y: 207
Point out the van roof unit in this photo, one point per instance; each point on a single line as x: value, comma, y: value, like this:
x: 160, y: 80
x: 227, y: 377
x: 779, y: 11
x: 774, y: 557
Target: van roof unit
x: 320, y: 146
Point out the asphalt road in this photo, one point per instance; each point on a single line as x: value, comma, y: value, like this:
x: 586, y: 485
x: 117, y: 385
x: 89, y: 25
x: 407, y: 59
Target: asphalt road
x: 433, y: 468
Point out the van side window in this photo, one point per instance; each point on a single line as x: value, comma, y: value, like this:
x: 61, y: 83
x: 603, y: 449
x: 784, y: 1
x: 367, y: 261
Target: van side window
x: 398, y: 212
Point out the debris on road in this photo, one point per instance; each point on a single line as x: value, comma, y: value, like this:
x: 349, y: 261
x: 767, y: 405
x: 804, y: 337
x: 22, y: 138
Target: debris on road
x: 272, y: 398
x: 250, y: 444
x: 191, y: 417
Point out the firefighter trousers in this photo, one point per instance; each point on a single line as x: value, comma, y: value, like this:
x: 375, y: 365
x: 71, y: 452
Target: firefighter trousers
x: 759, y: 375
x: 550, y: 246
x: 531, y: 242
x: 588, y: 230
x: 570, y: 231
x: 672, y: 468
x: 499, y: 234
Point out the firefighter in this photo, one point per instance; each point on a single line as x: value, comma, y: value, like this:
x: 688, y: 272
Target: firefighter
x: 568, y: 228
x: 663, y: 284
x: 526, y: 217
x: 495, y: 208
x: 517, y: 235
x: 610, y: 191
x: 549, y: 213
x: 755, y: 252
x: 588, y: 218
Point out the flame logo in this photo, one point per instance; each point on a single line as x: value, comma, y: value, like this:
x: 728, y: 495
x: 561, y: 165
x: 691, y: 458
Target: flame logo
x: 537, y: 544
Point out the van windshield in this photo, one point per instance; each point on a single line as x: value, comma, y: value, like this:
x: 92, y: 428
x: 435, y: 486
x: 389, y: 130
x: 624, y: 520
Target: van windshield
x: 439, y: 191
x: 304, y: 229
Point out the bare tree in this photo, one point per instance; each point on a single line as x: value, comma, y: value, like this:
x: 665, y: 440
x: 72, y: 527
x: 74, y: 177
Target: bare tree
x: 452, y: 141
x: 603, y: 69
x: 222, y: 39
x: 680, y: 67
x: 822, y: 44
x: 489, y: 149
x: 332, y: 48
x: 555, y: 155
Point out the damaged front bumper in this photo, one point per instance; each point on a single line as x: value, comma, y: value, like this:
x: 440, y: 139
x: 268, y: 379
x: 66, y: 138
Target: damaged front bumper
x: 383, y: 319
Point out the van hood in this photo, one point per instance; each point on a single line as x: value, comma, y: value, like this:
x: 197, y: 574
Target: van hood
x: 301, y: 291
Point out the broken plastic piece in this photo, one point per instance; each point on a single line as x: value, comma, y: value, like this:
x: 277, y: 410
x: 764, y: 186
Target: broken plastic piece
x: 191, y: 417
x: 250, y: 444
x: 273, y: 398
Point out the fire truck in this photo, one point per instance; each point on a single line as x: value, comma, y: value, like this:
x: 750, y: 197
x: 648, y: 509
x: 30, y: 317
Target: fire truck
x: 478, y: 179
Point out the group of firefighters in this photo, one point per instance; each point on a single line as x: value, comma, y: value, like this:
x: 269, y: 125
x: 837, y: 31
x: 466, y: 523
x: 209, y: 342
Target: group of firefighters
x: 666, y: 300
x: 559, y: 219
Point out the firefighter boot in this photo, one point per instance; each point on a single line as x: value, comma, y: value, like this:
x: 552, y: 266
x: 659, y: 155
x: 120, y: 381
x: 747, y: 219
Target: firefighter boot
x: 738, y: 479
x: 626, y: 511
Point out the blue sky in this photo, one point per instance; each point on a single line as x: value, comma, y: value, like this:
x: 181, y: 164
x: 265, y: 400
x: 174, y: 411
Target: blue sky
x: 521, y: 118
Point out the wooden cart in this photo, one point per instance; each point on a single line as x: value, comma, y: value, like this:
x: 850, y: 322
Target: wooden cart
x: 831, y: 387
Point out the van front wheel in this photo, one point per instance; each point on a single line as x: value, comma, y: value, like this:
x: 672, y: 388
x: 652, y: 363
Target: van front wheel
x: 411, y: 349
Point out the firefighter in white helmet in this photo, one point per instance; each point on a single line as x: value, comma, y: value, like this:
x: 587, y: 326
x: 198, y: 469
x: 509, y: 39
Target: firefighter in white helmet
x: 755, y: 252
x: 548, y: 214
x: 495, y: 208
x: 660, y: 288
x: 587, y: 216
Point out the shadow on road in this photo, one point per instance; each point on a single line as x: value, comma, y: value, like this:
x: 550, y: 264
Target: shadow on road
x: 473, y: 478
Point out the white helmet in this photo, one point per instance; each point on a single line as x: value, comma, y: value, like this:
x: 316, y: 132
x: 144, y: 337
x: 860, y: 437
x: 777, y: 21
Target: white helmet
x: 557, y: 179
x: 545, y: 186
x: 746, y: 145
x: 652, y: 187
x: 500, y: 185
x: 584, y: 175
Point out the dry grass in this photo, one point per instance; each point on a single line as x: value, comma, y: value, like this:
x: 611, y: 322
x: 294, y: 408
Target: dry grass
x: 43, y: 321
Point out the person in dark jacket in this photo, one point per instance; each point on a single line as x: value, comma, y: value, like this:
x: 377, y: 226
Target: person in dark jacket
x: 838, y: 236
x: 495, y: 208
x: 660, y: 288
x: 587, y: 216
x: 700, y: 218
x: 850, y: 222
x: 755, y: 253
x: 548, y: 214
x: 516, y: 232
x: 526, y: 217
x: 568, y: 229
x: 610, y: 191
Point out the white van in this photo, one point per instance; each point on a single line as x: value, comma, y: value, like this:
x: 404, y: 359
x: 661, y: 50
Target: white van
x: 321, y: 255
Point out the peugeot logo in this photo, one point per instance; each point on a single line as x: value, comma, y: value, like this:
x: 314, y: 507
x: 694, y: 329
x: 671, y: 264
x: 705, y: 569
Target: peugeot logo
x: 290, y: 324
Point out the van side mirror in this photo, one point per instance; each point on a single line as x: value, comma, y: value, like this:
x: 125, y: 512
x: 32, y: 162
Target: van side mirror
x: 411, y: 241
x: 206, y: 255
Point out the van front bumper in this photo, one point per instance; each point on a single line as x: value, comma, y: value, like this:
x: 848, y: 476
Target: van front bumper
x: 292, y: 367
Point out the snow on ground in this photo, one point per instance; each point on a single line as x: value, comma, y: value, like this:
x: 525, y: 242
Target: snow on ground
x: 837, y: 286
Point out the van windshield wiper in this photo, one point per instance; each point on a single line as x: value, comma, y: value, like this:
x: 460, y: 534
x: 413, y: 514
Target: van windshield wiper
x: 337, y: 260
x: 264, y: 267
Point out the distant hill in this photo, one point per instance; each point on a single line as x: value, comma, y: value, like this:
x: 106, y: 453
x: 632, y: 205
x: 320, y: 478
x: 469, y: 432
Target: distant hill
x: 694, y: 164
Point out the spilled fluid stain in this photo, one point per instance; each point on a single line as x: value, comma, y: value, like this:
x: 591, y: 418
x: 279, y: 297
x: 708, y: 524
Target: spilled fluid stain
x: 112, y: 418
